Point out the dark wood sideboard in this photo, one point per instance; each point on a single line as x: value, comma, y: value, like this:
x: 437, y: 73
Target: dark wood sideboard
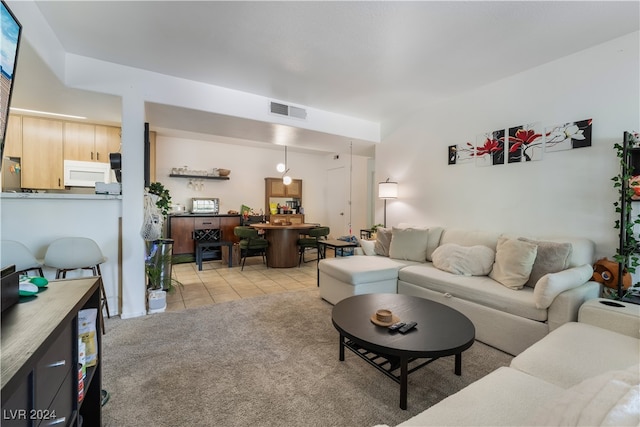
x: 39, y: 358
x: 181, y: 228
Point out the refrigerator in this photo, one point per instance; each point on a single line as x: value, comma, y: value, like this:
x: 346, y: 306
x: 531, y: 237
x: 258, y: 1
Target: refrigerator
x: 10, y: 175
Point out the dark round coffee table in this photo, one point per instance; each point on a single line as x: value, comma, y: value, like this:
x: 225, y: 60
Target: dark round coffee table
x: 441, y: 331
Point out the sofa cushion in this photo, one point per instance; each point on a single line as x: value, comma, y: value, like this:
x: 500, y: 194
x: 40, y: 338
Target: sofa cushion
x: 552, y: 285
x: 464, y: 260
x: 433, y: 236
x: 409, y: 244
x: 609, y: 399
x: 514, y: 261
x: 383, y: 241
x: 360, y: 269
x: 368, y: 246
x: 551, y: 257
x: 577, y: 351
x: 478, y: 289
x: 505, y: 397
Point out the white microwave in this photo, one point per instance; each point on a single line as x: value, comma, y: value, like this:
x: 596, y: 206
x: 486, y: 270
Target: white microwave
x: 85, y: 174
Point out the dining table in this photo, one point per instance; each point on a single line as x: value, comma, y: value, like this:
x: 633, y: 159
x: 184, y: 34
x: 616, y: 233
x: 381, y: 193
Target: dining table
x: 282, y: 251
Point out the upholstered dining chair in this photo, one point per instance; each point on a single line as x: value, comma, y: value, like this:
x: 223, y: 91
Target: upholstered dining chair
x: 77, y: 253
x: 16, y: 253
x: 310, y: 241
x: 251, y: 244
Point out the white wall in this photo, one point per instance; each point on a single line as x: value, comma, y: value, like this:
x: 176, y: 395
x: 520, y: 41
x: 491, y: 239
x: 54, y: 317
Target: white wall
x: 567, y: 193
x: 249, y: 167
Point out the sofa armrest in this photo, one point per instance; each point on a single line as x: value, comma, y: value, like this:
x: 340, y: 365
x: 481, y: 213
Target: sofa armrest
x: 566, y: 305
x: 616, y: 316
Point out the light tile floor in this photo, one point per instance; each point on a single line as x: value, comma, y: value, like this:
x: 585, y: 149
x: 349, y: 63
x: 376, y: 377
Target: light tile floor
x: 218, y: 283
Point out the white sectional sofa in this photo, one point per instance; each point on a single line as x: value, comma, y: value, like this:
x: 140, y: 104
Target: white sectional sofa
x: 583, y: 373
x: 515, y: 290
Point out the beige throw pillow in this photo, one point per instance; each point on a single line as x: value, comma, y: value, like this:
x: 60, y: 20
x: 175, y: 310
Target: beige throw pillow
x: 552, y: 257
x: 514, y: 261
x: 383, y: 241
x: 464, y: 260
x: 409, y: 244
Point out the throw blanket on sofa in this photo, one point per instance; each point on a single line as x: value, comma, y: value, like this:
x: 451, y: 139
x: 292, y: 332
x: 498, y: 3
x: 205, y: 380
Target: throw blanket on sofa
x: 610, y: 399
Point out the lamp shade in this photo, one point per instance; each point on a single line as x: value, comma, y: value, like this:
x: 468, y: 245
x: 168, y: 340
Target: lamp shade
x: 388, y: 190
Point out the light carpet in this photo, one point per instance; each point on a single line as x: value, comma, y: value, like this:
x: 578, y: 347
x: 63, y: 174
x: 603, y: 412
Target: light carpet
x: 265, y: 361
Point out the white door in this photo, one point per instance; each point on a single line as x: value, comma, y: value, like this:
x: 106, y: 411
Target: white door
x: 337, y: 202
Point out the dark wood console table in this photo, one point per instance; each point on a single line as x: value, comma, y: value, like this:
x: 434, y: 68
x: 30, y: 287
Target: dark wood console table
x: 39, y: 359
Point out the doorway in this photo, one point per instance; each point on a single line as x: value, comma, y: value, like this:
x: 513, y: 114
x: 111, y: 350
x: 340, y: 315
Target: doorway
x: 337, y: 202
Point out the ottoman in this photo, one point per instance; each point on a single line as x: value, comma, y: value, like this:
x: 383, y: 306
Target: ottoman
x: 343, y: 277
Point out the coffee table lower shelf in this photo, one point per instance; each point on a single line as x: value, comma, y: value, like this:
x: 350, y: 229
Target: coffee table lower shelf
x: 394, y: 363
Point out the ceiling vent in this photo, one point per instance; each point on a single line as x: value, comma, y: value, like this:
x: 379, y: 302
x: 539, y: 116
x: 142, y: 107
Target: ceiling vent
x: 288, y: 110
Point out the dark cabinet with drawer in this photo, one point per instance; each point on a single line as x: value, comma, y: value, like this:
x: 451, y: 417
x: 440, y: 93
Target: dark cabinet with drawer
x: 182, y: 227
x: 40, y: 382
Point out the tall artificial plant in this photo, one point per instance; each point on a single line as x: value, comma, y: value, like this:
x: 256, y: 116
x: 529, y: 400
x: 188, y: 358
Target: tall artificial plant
x: 628, y: 185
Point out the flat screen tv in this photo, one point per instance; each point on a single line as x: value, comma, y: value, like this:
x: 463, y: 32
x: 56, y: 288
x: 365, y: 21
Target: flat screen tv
x: 11, y: 32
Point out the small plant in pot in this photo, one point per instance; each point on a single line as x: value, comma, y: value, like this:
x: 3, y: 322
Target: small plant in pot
x: 374, y: 230
x: 159, y: 257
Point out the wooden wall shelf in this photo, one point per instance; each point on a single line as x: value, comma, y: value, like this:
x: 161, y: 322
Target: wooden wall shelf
x: 199, y: 177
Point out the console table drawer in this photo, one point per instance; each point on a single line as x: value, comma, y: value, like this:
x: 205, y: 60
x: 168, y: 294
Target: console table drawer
x: 59, y: 413
x: 52, y: 369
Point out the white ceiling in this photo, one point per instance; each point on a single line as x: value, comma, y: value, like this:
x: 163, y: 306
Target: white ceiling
x: 371, y: 60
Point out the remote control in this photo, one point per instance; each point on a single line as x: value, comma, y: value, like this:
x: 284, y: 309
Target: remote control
x: 396, y: 326
x: 406, y: 328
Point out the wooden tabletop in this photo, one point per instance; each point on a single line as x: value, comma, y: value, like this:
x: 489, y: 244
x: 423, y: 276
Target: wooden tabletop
x: 271, y: 226
x: 441, y: 330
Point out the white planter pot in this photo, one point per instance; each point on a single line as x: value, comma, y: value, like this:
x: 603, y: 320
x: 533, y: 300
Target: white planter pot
x: 157, y: 301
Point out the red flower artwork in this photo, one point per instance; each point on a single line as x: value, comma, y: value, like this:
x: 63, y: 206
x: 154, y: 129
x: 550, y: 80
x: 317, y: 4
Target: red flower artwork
x: 490, y: 146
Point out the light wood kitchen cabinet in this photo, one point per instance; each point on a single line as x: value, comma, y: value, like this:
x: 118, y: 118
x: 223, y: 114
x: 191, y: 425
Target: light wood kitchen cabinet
x: 13, y: 138
x: 276, y: 188
x: 90, y: 143
x: 79, y: 141
x: 107, y: 141
x: 42, y: 148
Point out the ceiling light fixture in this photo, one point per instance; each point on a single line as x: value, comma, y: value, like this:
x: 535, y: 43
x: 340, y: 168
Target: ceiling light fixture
x: 69, y: 116
x: 282, y: 168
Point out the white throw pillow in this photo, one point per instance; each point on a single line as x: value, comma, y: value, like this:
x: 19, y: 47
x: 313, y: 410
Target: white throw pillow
x: 409, y: 244
x: 553, y: 284
x: 514, y: 261
x: 464, y: 260
x: 368, y: 247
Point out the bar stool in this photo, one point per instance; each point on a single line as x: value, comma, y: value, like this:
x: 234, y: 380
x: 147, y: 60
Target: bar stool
x: 75, y: 253
x: 15, y: 253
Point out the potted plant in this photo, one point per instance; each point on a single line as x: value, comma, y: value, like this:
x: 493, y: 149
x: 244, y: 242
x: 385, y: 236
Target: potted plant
x: 627, y: 183
x: 374, y: 230
x: 159, y: 256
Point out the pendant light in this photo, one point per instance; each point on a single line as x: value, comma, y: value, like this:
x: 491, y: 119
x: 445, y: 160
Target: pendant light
x: 282, y: 168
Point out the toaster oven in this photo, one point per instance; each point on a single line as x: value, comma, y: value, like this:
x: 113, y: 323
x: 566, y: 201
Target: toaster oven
x: 204, y: 205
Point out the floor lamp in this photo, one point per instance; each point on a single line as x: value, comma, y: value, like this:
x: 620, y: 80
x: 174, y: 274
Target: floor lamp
x: 387, y: 190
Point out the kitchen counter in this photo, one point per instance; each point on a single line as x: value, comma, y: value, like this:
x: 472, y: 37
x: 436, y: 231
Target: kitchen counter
x: 68, y: 196
x: 190, y: 214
